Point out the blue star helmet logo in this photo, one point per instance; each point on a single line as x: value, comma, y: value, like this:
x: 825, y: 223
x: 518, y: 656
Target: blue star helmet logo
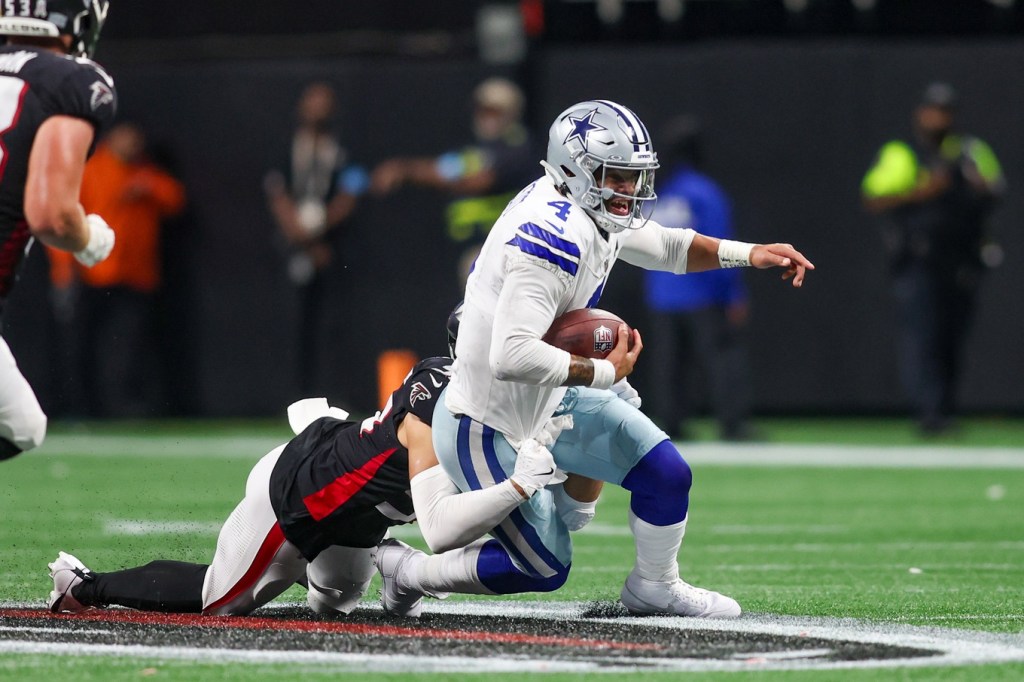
x: 582, y: 127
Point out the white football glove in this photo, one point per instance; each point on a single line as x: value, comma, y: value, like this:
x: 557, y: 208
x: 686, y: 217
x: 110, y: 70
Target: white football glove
x: 101, y: 241
x: 622, y: 389
x: 535, y: 467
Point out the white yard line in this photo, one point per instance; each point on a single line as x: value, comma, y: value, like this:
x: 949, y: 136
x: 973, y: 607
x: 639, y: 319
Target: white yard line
x: 852, y: 456
x: 161, y: 445
x: 26, y: 628
x: 626, y: 565
x: 128, y: 527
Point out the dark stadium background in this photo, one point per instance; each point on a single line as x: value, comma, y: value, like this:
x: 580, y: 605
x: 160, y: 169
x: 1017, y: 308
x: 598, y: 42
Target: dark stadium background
x: 794, y: 106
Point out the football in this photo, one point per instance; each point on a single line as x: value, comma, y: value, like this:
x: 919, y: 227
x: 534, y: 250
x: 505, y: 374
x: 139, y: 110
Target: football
x: 590, y: 332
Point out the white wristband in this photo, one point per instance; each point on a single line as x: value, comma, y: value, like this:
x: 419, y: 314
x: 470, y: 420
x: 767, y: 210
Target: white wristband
x: 604, y: 374
x: 734, y: 254
x: 101, y: 241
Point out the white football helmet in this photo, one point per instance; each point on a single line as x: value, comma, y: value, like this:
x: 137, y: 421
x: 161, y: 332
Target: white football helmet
x: 585, y: 142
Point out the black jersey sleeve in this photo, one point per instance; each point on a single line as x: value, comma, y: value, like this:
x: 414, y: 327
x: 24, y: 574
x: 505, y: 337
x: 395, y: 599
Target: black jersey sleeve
x: 88, y: 93
x: 421, y: 390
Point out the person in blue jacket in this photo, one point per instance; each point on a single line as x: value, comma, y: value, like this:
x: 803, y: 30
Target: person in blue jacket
x: 697, y: 320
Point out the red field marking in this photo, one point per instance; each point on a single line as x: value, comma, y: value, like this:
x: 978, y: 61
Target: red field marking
x: 260, y: 623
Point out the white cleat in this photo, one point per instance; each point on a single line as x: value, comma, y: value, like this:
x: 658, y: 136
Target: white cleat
x: 67, y: 572
x: 676, y: 598
x: 394, y: 561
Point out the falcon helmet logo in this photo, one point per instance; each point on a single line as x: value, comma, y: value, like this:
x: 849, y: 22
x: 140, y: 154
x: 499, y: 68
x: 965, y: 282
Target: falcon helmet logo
x: 101, y: 94
x: 603, y: 339
x: 418, y: 392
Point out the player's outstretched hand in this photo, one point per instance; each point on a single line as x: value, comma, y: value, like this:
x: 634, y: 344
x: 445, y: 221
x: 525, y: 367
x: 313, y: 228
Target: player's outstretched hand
x: 782, y: 256
x: 622, y: 355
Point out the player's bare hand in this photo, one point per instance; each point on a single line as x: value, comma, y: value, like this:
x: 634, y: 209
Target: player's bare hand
x: 782, y: 256
x: 622, y: 356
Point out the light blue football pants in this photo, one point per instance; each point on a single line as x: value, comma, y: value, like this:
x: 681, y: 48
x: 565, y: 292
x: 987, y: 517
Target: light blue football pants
x: 608, y: 438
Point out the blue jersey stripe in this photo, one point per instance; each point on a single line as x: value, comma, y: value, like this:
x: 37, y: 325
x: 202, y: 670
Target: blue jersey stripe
x: 539, y: 251
x: 539, y: 232
x: 596, y: 298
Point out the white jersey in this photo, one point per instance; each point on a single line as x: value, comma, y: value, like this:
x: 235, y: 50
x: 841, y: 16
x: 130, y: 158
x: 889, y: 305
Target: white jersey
x: 543, y: 257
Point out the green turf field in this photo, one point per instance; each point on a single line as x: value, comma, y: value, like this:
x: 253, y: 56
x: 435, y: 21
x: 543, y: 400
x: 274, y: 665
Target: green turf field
x: 929, y: 546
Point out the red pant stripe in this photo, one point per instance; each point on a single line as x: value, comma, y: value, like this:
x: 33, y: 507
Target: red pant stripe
x: 271, y: 544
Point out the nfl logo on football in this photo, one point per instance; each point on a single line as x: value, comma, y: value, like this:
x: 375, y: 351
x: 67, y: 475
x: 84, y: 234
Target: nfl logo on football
x: 603, y: 339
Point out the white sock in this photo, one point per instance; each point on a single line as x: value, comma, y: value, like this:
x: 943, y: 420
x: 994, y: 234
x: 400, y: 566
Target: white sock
x: 657, y: 548
x: 453, y: 571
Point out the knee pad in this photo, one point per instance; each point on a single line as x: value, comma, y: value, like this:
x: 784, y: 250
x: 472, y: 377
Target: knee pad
x: 499, y: 574
x: 339, y: 578
x: 660, y: 483
x: 337, y: 598
x: 574, y: 514
x: 661, y: 472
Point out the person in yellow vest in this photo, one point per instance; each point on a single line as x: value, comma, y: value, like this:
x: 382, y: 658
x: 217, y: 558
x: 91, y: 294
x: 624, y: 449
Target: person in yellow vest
x: 937, y: 190
x: 482, y: 177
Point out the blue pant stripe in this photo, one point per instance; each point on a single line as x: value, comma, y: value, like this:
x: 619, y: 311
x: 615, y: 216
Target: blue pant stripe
x: 491, y: 456
x: 511, y: 548
x: 465, y: 455
x: 528, y: 532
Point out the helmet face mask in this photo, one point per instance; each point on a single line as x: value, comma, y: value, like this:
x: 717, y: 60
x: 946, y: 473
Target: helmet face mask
x: 597, y: 150
x: 454, y: 320
x: 638, y: 204
x: 81, y: 19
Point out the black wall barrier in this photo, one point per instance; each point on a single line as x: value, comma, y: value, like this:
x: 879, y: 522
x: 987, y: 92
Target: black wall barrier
x: 790, y: 129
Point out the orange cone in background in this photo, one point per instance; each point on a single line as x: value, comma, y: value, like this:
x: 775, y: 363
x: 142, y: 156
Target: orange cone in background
x: 392, y: 366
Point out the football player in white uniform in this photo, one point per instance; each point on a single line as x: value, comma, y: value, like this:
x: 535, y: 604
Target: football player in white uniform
x: 551, y: 252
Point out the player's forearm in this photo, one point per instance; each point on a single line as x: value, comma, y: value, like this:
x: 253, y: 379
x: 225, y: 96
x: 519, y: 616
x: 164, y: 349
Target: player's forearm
x: 581, y: 371
x: 60, y: 227
x: 450, y: 519
x: 703, y: 254
x: 525, y: 309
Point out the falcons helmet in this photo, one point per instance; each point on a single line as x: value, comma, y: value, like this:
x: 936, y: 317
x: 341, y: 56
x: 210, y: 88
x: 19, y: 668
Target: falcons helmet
x: 80, y: 19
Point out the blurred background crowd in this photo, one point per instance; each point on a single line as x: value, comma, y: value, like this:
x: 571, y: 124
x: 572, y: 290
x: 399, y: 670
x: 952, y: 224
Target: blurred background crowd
x: 299, y: 188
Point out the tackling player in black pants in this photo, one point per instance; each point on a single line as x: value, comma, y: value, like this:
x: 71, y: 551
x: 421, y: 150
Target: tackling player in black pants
x: 317, y: 507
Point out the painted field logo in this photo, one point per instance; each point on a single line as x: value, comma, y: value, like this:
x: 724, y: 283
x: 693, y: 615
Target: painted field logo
x: 499, y: 636
x: 603, y: 339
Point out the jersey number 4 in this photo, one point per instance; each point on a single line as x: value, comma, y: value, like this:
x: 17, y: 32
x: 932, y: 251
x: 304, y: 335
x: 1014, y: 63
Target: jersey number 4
x: 561, y: 209
x: 12, y: 95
